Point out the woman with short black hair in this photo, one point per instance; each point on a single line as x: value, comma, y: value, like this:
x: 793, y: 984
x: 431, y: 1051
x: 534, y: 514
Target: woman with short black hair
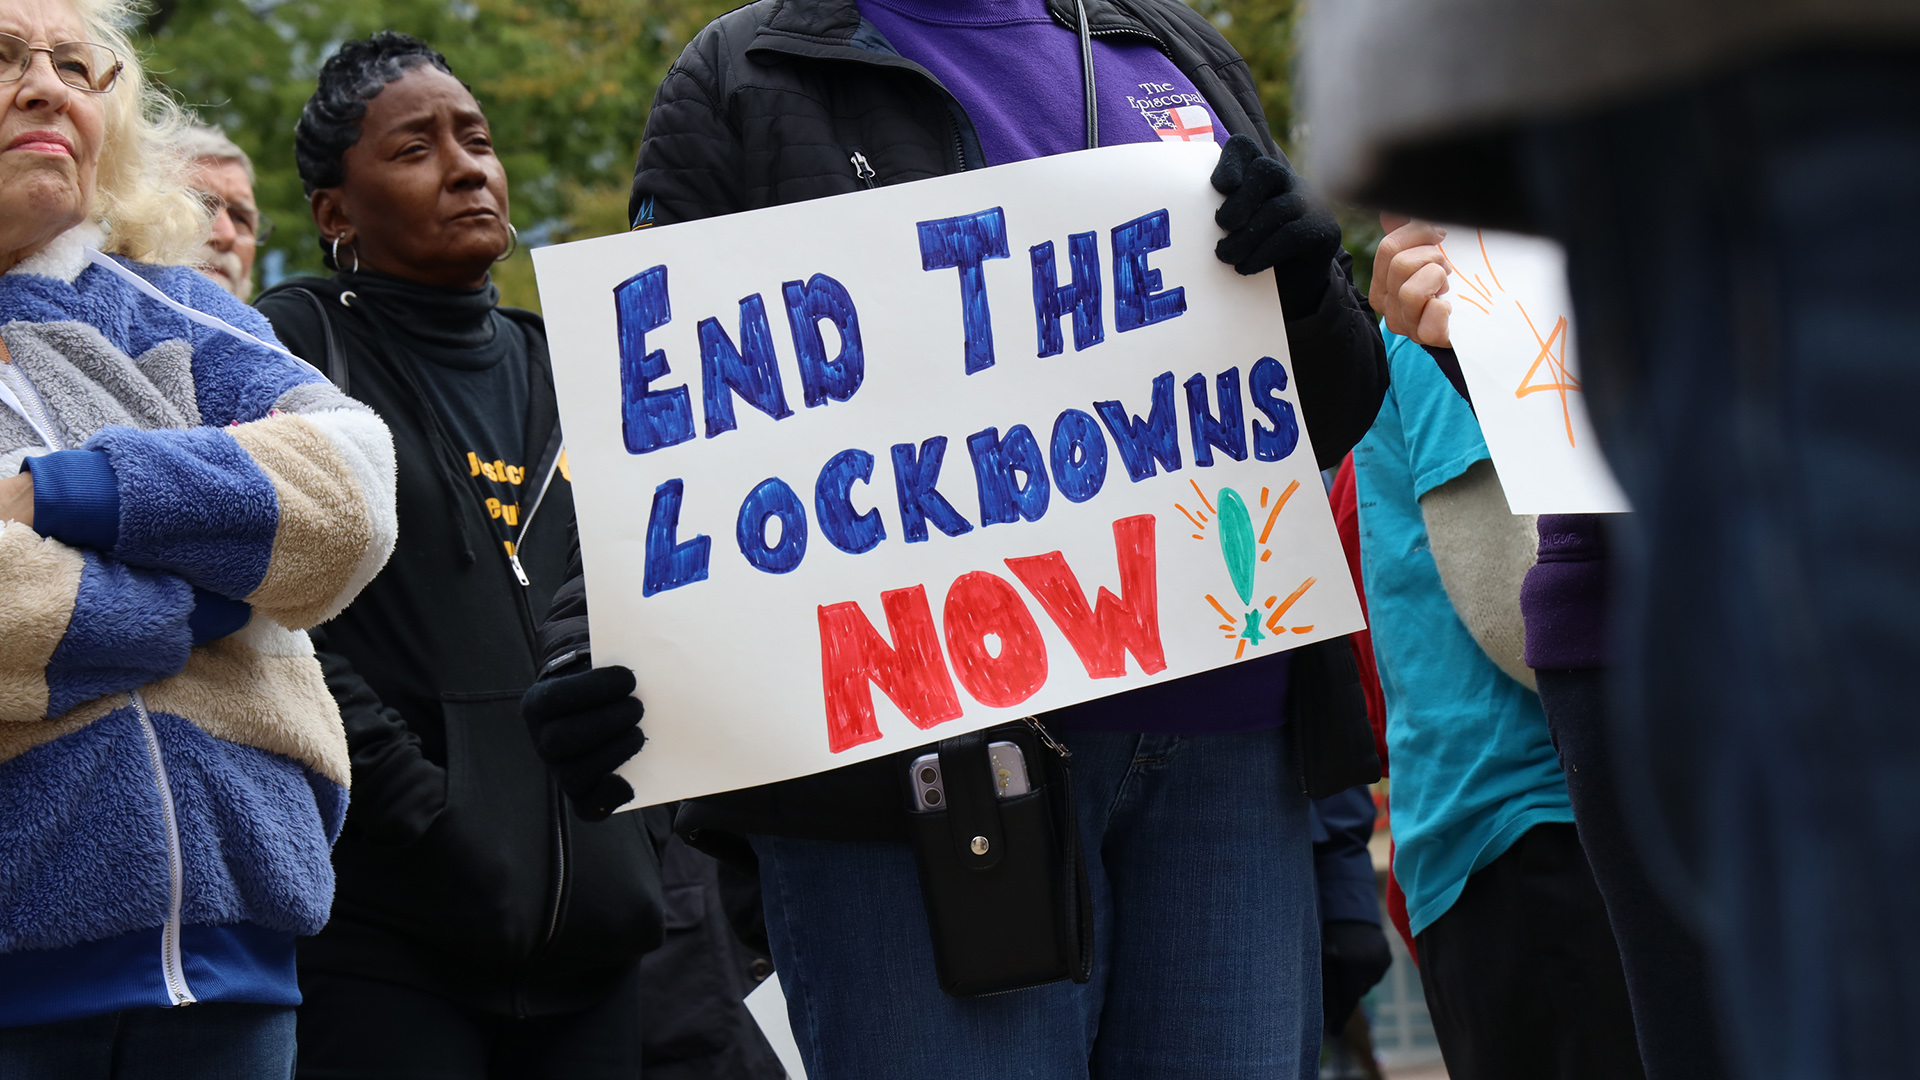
x: 481, y: 927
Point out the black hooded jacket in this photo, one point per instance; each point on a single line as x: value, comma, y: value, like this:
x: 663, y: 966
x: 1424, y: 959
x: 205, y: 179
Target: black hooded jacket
x: 787, y: 100
x: 461, y: 870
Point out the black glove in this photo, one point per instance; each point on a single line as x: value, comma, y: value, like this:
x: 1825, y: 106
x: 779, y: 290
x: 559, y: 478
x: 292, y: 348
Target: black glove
x: 1353, y: 957
x: 585, y: 724
x: 1272, y: 223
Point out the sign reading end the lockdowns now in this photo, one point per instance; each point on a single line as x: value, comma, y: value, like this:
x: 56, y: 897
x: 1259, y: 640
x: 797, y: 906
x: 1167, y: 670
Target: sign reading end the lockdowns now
x: 861, y: 473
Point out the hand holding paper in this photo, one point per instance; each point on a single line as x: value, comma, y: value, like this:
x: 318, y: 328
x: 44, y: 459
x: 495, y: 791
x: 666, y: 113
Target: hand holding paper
x: 1512, y: 328
x: 1409, y: 279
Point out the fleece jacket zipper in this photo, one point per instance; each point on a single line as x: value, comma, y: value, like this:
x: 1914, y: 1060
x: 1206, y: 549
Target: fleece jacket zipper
x: 526, y: 522
x: 26, y: 401
x: 173, y: 973
x: 172, y: 969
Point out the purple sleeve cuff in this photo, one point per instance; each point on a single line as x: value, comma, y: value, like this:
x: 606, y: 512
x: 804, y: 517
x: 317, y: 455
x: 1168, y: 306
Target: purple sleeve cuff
x: 76, y: 498
x: 215, y: 616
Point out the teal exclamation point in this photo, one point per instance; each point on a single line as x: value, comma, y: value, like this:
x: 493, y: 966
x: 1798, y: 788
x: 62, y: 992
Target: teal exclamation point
x: 1236, y: 542
x: 1236, y: 547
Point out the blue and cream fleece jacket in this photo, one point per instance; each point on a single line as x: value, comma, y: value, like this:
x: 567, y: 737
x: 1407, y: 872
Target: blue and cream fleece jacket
x: 173, y: 770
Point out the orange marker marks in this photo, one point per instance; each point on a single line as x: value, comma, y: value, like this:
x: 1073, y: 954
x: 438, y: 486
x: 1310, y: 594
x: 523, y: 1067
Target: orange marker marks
x: 1263, y: 496
x: 1292, y: 486
x: 1483, y: 258
x: 1273, y: 621
x: 1307, y: 629
x: 1197, y: 523
x: 1556, y: 361
x: 1267, y: 554
x: 1224, y: 613
x: 1197, y: 536
x: 1242, y: 650
x: 1474, y: 302
x: 1226, y: 626
x: 1270, y: 601
x: 1203, y: 496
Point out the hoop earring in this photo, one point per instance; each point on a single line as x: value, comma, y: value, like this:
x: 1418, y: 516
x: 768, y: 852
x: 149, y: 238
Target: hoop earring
x: 513, y: 243
x: 336, y: 257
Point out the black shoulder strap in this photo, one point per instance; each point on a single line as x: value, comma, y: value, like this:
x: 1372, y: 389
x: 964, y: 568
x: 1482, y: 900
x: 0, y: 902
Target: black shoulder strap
x: 336, y: 368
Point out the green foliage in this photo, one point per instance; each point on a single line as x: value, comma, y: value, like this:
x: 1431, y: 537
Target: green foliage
x: 565, y: 83
x: 1263, y: 31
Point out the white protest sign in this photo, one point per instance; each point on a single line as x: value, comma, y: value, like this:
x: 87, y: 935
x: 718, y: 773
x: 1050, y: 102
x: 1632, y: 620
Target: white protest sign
x: 861, y: 473
x: 1512, y: 328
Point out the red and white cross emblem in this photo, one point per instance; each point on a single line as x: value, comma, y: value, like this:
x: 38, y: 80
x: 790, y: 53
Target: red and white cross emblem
x: 1183, y: 124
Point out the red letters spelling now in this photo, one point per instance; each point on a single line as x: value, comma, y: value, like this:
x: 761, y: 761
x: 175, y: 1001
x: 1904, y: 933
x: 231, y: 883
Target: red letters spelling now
x: 912, y: 670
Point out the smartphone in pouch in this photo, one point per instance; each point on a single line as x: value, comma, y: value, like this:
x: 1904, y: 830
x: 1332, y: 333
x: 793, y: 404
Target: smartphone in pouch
x: 999, y: 862
x: 1009, y: 776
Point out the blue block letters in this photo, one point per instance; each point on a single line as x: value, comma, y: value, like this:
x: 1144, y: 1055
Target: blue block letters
x: 964, y: 243
x: 995, y: 460
x: 671, y: 563
x: 820, y: 378
x: 649, y: 419
x: 1081, y: 296
x: 751, y: 370
x: 1138, y: 299
x: 1265, y: 381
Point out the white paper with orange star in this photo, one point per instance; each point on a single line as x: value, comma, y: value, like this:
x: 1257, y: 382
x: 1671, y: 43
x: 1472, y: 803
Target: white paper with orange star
x: 1512, y: 328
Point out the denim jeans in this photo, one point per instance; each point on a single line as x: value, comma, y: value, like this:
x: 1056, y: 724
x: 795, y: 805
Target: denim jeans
x: 208, y: 1041
x: 1741, y: 257
x: 1207, y: 941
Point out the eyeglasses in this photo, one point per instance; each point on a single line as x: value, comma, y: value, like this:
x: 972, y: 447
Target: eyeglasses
x: 80, y: 64
x: 248, y: 221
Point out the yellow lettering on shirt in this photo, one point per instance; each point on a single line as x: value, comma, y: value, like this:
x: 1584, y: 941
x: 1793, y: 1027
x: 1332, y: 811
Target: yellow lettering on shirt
x: 565, y: 473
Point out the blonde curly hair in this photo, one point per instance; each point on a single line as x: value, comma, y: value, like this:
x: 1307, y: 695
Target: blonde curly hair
x: 140, y: 193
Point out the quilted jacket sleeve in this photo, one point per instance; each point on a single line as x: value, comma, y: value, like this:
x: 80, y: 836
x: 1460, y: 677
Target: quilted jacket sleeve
x: 690, y: 158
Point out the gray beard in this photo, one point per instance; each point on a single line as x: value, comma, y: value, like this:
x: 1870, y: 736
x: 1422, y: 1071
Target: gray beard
x: 227, y: 263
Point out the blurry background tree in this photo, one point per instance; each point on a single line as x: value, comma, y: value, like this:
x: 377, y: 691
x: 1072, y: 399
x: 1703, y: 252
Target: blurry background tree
x: 566, y: 84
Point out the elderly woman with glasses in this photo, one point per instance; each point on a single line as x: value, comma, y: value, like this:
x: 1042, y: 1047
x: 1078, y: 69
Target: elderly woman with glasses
x: 182, y: 497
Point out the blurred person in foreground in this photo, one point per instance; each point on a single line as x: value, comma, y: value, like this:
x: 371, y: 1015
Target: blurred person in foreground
x: 1733, y: 183
x: 223, y: 178
x: 1517, y: 958
x: 1184, y: 781
x: 1564, y: 604
x: 482, y: 928
x: 188, y: 497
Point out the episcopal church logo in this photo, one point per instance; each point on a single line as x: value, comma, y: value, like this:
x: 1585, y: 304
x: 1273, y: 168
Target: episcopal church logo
x: 1187, y: 123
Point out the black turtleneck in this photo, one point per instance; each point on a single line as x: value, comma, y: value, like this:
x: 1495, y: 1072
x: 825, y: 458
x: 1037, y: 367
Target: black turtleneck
x: 472, y: 365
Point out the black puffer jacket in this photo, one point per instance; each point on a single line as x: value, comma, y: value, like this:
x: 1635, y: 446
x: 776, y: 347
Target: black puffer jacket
x: 769, y: 105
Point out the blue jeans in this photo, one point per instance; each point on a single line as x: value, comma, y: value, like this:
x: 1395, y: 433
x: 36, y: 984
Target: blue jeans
x: 1207, y: 940
x: 1741, y: 259
x: 208, y: 1041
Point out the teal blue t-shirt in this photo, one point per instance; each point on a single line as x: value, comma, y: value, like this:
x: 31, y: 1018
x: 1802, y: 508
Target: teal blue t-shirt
x: 1473, y: 766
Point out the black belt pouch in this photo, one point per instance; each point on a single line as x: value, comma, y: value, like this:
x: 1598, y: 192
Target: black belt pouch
x: 1003, y: 880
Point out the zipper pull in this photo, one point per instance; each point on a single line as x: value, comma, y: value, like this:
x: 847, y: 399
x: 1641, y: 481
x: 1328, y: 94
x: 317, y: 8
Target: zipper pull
x: 1053, y: 744
x: 513, y: 560
x: 862, y: 169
